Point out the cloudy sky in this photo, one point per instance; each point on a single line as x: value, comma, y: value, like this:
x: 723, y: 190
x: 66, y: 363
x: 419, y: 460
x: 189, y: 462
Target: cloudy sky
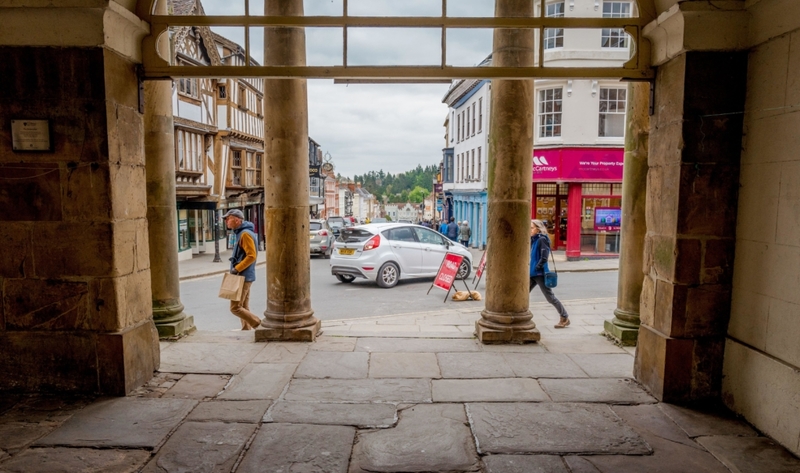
x: 372, y: 127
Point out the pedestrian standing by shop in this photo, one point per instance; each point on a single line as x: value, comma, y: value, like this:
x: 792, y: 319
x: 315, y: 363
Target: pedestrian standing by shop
x: 540, y: 252
x: 243, y: 262
x: 464, y: 233
x: 452, y: 230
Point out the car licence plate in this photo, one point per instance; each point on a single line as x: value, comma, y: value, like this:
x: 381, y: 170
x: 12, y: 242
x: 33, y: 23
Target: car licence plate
x: 347, y: 251
x: 311, y: 236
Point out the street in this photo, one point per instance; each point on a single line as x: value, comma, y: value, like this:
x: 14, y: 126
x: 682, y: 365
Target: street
x: 332, y: 300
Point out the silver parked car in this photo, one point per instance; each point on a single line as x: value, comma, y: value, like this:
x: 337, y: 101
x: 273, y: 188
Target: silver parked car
x: 388, y: 252
x: 321, y: 238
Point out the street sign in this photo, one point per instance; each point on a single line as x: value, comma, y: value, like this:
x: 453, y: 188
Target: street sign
x: 438, y: 208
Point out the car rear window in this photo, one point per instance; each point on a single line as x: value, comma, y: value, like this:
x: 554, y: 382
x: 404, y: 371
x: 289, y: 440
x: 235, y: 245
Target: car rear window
x: 314, y: 226
x: 354, y: 235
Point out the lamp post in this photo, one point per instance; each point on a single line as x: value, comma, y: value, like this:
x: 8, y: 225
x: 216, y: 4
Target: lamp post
x: 217, y: 258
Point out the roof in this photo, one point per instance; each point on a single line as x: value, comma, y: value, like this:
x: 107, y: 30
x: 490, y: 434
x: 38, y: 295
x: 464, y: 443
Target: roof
x: 182, y: 7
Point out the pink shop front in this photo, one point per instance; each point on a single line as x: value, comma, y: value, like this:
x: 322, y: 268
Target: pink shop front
x: 577, y: 192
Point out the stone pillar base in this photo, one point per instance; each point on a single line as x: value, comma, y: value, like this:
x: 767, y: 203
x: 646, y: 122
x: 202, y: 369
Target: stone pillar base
x: 177, y: 328
x: 275, y: 334
x: 489, y: 335
x: 624, y: 336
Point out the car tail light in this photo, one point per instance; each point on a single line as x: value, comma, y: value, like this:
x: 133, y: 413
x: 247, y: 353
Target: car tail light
x: 372, y: 243
x: 322, y: 233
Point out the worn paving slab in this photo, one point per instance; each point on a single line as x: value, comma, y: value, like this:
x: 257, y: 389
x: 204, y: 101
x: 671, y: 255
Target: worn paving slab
x: 45, y: 409
x: 299, y: 448
x: 230, y: 411
x: 555, y: 428
x: 333, y: 344
x: 524, y: 464
x: 70, y: 460
x: 259, y: 381
x: 360, y: 390
x: 605, y: 365
x: 526, y: 348
x: 427, y: 438
x: 198, y: 386
x: 650, y: 422
x: 14, y: 436
x: 711, y: 421
x: 543, y: 365
x: 122, y: 422
x: 403, y: 365
x: 336, y: 365
x: 750, y: 454
x: 474, y: 365
x: 488, y: 390
x: 282, y: 352
x: 206, y: 357
x: 211, y: 336
x: 586, y: 343
x: 201, y: 446
x: 673, y: 450
x: 371, y: 415
x: 416, y: 345
x: 607, y: 390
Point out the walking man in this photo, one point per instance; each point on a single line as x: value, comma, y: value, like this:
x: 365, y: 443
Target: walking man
x: 464, y: 233
x: 243, y: 262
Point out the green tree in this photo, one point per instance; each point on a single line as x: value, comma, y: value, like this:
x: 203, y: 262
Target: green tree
x: 418, y: 194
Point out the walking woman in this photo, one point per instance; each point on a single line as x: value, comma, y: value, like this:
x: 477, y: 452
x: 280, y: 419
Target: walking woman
x: 540, y: 252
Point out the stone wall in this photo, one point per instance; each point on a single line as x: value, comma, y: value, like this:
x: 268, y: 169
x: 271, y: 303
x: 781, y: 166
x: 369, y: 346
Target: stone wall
x: 762, y: 353
x: 76, y: 310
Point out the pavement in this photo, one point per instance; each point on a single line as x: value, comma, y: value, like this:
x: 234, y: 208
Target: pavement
x: 396, y: 393
x: 202, y: 264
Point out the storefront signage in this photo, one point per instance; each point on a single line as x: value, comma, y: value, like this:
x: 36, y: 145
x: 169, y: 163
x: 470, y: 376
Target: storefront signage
x: 314, y: 171
x: 607, y: 219
x: 577, y: 164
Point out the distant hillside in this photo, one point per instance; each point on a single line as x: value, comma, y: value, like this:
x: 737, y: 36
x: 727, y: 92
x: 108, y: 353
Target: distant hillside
x: 410, y: 186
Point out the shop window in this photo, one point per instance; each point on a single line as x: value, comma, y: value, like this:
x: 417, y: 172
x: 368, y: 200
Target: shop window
x: 554, y: 37
x: 615, y: 37
x: 596, y: 189
x: 612, y: 112
x: 546, y: 189
x: 616, y: 189
x: 183, y: 230
x: 550, y: 113
x: 600, y: 225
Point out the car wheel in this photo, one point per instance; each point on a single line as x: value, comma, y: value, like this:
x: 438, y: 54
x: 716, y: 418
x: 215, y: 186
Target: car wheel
x: 464, y: 269
x: 388, y: 275
x: 345, y: 278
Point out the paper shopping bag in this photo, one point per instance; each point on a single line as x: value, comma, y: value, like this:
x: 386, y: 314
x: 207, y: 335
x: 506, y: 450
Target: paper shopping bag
x: 232, y: 286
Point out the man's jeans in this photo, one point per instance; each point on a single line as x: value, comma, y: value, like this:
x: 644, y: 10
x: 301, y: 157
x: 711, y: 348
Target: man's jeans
x: 241, y: 309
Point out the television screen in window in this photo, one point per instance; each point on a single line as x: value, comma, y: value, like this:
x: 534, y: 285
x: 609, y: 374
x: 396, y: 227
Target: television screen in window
x: 607, y: 219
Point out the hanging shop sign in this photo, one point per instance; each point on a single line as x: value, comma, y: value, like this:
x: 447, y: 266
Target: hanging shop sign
x: 577, y: 164
x: 314, y: 171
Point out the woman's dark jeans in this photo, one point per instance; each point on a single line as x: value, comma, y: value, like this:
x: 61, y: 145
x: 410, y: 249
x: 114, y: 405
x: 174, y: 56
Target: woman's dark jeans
x: 548, y: 294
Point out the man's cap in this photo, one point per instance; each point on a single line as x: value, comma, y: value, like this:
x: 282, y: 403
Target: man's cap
x: 234, y: 213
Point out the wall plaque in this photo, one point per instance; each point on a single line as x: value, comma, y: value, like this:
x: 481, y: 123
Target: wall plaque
x: 30, y: 135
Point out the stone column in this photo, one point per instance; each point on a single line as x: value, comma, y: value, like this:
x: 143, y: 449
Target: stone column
x: 624, y: 327
x: 692, y: 189
x: 289, y: 315
x: 507, y: 317
x: 162, y: 224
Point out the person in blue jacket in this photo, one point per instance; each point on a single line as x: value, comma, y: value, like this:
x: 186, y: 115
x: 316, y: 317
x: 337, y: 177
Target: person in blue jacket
x: 540, y: 252
x: 443, y: 227
x: 452, y: 230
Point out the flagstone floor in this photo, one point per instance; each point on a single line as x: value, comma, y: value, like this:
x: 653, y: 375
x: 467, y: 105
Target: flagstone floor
x: 410, y: 393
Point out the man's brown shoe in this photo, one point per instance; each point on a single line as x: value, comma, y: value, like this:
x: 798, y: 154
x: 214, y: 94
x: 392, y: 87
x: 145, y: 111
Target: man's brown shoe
x: 562, y: 323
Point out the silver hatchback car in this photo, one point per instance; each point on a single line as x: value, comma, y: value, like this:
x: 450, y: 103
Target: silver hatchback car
x: 320, y: 238
x: 389, y: 252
